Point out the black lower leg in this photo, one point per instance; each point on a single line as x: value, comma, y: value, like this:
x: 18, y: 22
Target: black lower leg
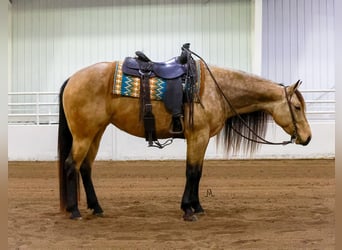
x: 190, y: 201
x: 89, y: 189
x: 71, y: 189
x: 195, y: 204
x: 186, y: 200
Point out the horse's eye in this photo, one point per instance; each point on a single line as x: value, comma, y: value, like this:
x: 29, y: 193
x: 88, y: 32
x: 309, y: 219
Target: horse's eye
x: 297, y: 108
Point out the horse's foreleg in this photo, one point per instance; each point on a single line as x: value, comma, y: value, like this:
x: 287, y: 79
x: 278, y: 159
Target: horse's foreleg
x: 195, y: 204
x: 190, y: 201
x: 195, y: 154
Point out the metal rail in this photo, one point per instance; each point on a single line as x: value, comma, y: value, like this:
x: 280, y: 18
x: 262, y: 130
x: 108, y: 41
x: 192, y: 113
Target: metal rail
x: 41, y: 108
x: 28, y: 108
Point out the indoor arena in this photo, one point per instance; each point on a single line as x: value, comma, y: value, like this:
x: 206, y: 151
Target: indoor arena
x: 247, y: 162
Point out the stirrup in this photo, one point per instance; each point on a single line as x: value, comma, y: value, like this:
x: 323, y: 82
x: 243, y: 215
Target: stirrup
x: 171, y: 131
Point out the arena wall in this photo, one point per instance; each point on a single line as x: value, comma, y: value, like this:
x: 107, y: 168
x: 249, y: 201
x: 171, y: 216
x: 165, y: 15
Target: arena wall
x: 280, y: 40
x: 37, y: 143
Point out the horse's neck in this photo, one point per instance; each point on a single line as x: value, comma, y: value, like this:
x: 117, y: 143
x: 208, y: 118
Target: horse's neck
x: 249, y: 93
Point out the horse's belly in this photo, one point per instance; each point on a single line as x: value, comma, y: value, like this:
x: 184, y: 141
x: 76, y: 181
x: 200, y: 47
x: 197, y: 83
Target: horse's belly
x: 126, y: 116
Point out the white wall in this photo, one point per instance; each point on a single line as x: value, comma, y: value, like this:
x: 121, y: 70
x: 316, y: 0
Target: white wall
x: 298, y: 42
x: 54, y: 38
x: 51, y: 39
x: 40, y: 143
x: 9, y: 60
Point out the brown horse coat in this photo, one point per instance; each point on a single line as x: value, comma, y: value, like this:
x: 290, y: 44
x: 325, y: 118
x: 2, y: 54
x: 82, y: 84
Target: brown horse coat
x: 88, y: 105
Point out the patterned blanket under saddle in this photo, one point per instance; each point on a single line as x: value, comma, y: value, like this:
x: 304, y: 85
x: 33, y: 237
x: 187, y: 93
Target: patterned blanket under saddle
x: 126, y: 85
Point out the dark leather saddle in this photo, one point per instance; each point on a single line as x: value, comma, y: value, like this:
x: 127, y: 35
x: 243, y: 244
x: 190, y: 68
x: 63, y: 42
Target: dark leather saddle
x: 174, y: 70
x: 141, y: 64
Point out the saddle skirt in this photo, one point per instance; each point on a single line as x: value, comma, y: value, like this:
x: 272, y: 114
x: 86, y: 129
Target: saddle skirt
x: 129, y: 85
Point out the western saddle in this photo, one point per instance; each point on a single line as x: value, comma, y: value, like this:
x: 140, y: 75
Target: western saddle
x: 178, y: 71
x: 142, y: 65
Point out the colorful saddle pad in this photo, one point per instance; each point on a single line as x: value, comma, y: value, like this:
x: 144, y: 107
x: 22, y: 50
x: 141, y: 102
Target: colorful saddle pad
x: 126, y: 85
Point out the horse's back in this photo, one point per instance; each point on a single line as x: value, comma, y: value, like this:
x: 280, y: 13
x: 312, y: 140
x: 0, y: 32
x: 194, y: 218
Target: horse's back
x: 99, y: 73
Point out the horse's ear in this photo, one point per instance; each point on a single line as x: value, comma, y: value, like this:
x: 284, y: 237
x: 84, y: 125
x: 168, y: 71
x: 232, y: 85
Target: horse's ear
x: 294, y: 87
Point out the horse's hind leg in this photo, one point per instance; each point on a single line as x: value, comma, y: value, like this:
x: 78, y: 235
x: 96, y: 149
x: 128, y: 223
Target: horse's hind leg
x: 86, y: 176
x: 72, y: 166
x: 89, y: 188
x: 71, y: 188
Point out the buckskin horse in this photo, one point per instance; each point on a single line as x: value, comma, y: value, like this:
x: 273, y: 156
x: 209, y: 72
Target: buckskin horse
x: 232, y: 104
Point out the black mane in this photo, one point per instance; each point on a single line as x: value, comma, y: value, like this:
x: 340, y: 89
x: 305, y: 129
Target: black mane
x: 230, y: 136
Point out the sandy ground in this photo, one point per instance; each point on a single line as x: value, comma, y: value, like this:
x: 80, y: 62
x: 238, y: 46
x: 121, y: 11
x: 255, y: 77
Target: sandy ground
x: 262, y: 204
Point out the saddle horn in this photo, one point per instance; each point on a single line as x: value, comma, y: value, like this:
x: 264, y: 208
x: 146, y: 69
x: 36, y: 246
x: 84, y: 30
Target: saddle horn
x: 142, y: 56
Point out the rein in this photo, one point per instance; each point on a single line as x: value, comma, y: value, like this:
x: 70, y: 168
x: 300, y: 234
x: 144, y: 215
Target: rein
x: 261, y: 139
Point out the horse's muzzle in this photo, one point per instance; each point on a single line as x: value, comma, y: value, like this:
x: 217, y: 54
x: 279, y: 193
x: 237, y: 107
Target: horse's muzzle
x: 307, y: 141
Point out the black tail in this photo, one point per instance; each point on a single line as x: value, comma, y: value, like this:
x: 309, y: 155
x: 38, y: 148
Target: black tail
x: 64, y: 147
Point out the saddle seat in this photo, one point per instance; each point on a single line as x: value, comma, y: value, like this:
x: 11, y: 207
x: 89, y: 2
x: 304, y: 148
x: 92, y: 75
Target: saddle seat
x: 142, y: 64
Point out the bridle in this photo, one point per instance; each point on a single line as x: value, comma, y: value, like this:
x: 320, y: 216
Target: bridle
x: 295, y: 134
x: 259, y: 139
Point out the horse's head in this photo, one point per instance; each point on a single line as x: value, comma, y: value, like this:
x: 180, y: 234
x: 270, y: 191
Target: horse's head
x: 289, y: 113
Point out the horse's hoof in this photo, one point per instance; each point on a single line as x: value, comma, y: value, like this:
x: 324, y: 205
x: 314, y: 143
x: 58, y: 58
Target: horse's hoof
x: 97, y: 210
x: 190, y: 217
x: 98, y: 214
x: 75, y: 215
x: 76, y: 218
